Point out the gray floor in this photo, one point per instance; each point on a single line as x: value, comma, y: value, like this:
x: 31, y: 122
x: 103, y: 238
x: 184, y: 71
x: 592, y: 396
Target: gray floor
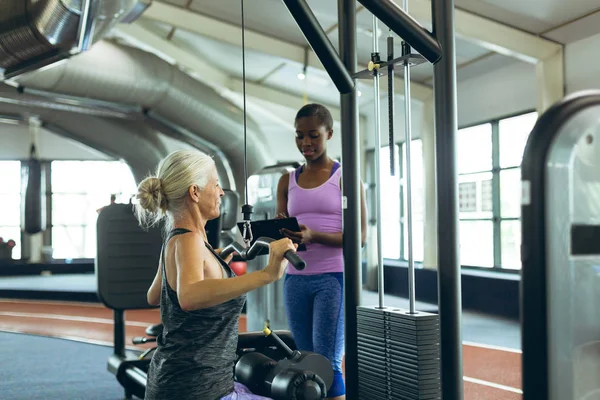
x: 478, y: 328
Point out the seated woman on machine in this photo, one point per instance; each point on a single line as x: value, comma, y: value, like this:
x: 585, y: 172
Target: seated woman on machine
x: 200, y: 297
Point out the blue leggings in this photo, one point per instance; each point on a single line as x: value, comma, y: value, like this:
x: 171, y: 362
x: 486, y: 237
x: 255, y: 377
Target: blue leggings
x: 314, y: 306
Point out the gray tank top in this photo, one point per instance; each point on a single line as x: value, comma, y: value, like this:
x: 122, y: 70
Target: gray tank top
x: 196, y: 352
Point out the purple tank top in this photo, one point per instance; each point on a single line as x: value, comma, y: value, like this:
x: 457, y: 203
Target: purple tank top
x: 320, y: 209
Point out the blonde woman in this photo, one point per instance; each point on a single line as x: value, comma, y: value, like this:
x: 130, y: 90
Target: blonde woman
x: 200, y: 297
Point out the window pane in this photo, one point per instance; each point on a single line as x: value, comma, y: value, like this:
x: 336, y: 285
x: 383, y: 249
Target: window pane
x: 69, y: 209
x: 475, y: 196
x: 92, y: 177
x: 68, y: 241
x: 390, y: 205
x: 417, y: 236
x: 10, y: 209
x: 12, y: 232
x: 80, y: 190
x: 510, y: 193
x: 10, y: 177
x: 418, y: 199
x: 477, y: 243
x: 474, y: 149
x: 511, y: 244
x: 513, y: 138
x: 90, y: 242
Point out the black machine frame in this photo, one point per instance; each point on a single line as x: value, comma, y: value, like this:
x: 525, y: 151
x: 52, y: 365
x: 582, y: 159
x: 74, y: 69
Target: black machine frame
x: 437, y: 47
x: 534, y: 251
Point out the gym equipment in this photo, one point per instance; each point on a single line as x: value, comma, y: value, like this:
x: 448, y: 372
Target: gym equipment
x: 259, y: 244
x: 126, y: 262
x: 560, y: 252
x: 438, y: 49
x: 300, y: 375
x: 295, y: 375
x: 398, y: 350
x: 263, y: 305
x: 33, y: 218
x: 248, y: 342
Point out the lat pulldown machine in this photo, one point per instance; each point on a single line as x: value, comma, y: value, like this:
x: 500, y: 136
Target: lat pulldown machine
x: 397, y: 353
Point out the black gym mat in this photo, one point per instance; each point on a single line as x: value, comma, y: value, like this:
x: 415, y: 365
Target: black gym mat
x: 37, y: 367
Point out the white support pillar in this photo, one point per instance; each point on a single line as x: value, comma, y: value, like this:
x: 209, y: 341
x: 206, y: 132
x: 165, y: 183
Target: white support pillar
x: 430, y: 207
x: 550, y: 76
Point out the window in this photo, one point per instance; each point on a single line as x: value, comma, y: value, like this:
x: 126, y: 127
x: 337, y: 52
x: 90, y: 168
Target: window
x: 475, y: 199
x: 512, y: 138
x: 390, y: 211
x: 10, y: 199
x: 489, y: 160
x: 394, y: 200
x: 418, y: 200
x: 79, y: 190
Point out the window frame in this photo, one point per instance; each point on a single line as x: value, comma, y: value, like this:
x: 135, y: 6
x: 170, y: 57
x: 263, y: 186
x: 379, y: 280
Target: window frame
x: 22, y: 246
x: 496, y: 218
x: 50, y: 196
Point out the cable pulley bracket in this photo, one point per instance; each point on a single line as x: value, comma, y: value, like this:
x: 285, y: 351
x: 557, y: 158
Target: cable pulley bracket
x: 381, y: 67
x: 247, y: 211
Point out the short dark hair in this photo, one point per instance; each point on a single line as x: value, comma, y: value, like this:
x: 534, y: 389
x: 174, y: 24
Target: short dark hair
x: 319, y: 111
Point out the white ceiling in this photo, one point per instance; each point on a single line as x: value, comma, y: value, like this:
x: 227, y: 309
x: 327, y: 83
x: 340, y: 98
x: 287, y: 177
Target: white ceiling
x: 535, y: 16
x: 280, y: 24
x: 550, y: 18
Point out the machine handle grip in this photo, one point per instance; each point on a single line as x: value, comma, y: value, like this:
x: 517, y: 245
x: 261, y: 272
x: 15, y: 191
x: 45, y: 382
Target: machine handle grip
x: 295, y: 260
x: 254, y: 250
x: 231, y: 248
x: 280, y: 343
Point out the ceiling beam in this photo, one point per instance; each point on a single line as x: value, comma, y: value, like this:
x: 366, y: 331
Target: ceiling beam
x: 492, y: 35
x: 230, y: 33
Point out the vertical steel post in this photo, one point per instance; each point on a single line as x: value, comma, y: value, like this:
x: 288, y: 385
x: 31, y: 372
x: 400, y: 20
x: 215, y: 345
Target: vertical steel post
x: 351, y: 192
x: 449, y: 286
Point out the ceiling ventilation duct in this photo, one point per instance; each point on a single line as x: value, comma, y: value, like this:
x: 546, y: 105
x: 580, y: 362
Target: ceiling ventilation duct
x: 38, y: 33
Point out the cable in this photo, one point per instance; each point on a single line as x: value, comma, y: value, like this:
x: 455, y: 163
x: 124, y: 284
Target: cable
x: 244, y: 96
x: 246, y: 208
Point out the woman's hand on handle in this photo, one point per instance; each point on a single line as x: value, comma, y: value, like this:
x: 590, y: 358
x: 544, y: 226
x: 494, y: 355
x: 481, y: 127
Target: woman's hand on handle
x: 277, y: 262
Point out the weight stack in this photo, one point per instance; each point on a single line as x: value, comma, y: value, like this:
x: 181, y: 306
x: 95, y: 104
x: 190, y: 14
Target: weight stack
x: 398, y: 354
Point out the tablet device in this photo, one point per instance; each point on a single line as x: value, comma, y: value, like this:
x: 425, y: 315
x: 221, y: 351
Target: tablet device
x: 270, y: 228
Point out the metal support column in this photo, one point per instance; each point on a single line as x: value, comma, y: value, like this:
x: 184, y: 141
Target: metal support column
x: 351, y: 193
x: 449, y: 288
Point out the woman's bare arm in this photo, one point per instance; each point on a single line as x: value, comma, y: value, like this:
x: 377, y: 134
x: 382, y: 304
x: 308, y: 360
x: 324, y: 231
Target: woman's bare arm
x: 194, y: 291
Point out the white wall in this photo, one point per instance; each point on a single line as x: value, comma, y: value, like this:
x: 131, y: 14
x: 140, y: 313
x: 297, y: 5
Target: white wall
x: 15, y: 141
x: 277, y: 125
x: 512, y: 89
x: 507, y: 90
x: 582, y: 68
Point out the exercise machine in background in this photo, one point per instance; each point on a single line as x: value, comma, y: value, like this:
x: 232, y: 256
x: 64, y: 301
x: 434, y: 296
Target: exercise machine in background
x: 560, y: 252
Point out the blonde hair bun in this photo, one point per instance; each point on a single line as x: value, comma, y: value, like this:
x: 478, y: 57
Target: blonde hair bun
x: 151, y: 195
